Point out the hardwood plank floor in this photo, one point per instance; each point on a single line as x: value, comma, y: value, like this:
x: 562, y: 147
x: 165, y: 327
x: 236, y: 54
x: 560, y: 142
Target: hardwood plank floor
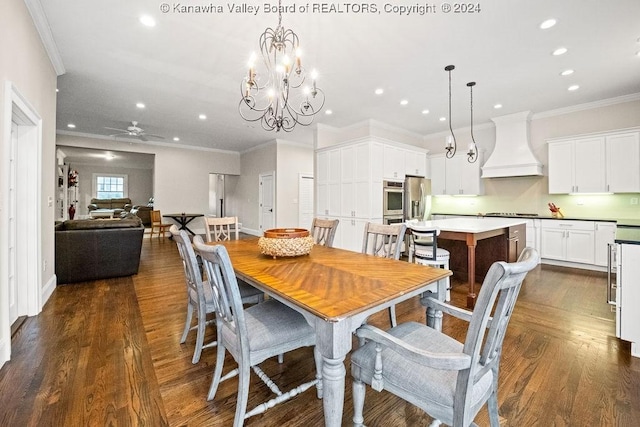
x: 108, y: 353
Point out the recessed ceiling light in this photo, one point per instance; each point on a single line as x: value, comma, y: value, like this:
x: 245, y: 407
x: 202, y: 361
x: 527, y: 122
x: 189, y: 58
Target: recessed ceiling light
x: 176, y: 139
x: 638, y: 53
x: 560, y: 51
x: 573, y: 87
x: 147, y: 21
x: 57, y: 90
x: 328, y: 112
x: 379, y: 91
x: 140, y: 105
x: 548, y: 24
x: 497, y: 106
x: 404, y: 102
x: 202, y: 117
x: 71, y: 126
x: 425, y: 111
x: 566, y: 73
x: 442, y: 119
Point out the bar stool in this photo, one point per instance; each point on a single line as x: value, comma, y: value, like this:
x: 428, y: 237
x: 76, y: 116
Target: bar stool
x: 424, y: 250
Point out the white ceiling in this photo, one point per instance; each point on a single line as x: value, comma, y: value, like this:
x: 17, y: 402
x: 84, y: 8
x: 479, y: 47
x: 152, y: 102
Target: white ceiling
x: 192, y: 63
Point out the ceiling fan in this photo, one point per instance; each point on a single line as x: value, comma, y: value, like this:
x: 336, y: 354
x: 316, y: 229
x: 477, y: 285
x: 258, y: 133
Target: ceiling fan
x: 135, y: 132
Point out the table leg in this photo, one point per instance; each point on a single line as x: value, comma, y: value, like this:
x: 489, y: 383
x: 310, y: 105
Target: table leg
x: 471, y: 267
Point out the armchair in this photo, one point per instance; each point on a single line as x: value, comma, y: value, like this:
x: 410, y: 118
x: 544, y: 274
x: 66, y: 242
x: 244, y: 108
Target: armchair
x: 447, y: 379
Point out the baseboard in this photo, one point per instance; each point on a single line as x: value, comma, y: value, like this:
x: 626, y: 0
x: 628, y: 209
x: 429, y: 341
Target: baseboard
x: 47, y: 291
x: 5, y: 350
x: 251, y: 231
x: 572, y: 264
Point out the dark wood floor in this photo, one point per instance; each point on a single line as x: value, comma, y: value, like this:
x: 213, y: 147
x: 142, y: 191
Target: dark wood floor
x: 108, y: 353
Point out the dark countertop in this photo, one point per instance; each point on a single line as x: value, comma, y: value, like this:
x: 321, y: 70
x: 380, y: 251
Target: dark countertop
x: 628, y: 235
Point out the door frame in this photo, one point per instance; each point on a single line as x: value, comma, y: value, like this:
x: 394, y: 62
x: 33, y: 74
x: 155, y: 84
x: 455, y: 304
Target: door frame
x: 28, y: 196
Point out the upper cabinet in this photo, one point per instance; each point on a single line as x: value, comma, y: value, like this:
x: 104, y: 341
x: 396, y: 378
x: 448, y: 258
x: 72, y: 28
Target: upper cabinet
x: 595, y: 164
x: 399, y: 162
x: 456, y: 176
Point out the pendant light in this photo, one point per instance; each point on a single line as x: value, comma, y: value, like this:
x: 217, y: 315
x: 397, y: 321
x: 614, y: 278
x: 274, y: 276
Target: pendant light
x: 472, y: 154
x: 450, y: 145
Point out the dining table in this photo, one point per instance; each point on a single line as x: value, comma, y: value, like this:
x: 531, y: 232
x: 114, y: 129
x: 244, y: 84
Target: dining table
x: 183, y: 219
x: 336, y: 291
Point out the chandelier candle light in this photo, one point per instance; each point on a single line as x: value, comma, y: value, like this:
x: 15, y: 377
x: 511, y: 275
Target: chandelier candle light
x: 279, y: 98
x: 451, y: 145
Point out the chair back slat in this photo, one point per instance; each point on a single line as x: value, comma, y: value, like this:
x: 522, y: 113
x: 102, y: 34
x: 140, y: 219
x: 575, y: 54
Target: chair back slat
x: 193, y: 276
x: 220, y: 229
x: 323, y: 231
x: 424, y: 240
x: 384, y: 240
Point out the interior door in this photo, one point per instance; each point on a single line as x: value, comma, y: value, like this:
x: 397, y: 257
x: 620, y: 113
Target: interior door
x: 267, y: 201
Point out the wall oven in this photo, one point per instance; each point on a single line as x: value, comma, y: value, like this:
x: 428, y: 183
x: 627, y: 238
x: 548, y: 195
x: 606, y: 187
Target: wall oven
x: 393, y: 198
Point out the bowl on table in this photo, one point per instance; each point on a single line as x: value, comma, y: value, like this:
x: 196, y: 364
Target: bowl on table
x: 286, y: 242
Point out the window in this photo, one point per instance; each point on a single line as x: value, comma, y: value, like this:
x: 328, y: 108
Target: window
x: 110, y: 186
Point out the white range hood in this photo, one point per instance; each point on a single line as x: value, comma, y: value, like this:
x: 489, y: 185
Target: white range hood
x: 512, y: 155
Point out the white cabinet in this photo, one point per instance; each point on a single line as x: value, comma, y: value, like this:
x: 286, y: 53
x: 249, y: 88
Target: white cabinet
x: 567, y: 240
x: 577, y: 166
x: 595, y: 164
x: 415, y: 163
x: 605, y: 233
x: 456, y: 176
x: 393, y: 162
x: 349, y: 188
x: 628, y: 295
x: 399, y: 162
x: 623, y: 162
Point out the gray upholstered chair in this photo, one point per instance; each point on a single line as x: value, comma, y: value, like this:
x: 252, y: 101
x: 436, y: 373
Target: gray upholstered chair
x: 387, y: 241
x: 424, y: 250
x: 323, y: 231
x: 224, y: 228
x: 199, y: 293
x: 252, y: 335
x: 449, y: 380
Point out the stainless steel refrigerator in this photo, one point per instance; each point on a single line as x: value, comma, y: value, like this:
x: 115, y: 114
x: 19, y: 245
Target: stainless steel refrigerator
x: 417, y: 198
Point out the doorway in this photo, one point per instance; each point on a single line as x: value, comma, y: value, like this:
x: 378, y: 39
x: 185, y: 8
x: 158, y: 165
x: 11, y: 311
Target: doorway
x: 267, y: 201
x: 20, y: 220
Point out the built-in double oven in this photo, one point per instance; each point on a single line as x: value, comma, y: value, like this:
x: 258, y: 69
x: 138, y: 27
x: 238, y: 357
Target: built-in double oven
x: 393, y: 202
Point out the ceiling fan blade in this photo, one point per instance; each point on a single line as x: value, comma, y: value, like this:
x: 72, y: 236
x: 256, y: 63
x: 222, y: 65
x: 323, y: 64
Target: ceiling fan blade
x: 120, y: 130
x: 119, y: 134
x: 154, y: 136
x: 143, y: 137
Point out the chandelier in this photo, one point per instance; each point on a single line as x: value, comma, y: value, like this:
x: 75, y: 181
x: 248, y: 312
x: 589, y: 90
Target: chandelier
x: 281, y: 96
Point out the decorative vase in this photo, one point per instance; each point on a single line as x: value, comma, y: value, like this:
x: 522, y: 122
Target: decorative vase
x: 72, y: 211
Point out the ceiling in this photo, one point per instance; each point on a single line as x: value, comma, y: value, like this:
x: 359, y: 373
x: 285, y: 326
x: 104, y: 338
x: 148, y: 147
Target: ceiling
x: 193, y: 63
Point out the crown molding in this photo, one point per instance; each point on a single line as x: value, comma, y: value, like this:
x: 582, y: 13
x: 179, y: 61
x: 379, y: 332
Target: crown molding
x: 44, y: 30
x: 140, y: 142
x: 587, y: 106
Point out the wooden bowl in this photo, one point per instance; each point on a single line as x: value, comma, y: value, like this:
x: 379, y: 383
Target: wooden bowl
x: 286, y: 233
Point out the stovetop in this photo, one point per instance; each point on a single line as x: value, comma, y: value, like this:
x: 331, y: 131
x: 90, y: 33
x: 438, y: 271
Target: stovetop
x: 509, y: 214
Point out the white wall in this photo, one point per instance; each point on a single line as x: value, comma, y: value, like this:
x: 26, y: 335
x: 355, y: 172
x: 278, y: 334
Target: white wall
x: 254, y: 162
x: 181, y: 174
x: 292, y: 160
x: 25, y: 63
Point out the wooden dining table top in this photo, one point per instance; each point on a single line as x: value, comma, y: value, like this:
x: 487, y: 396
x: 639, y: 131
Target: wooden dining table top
x: 330, y: 283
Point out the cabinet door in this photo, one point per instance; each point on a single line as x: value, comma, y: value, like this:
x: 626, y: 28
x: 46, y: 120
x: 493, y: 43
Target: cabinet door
x: 452, y: 175
x: 438, y: 176
x: 393, y: 162
x: 623, y: 162
x: 561, y: 168
x: 605, y: 233
x: 415, y: 163
x: 589, y: 172
x: 629, y: 294
x: 470, y: 181
x: 347, y: 183
x: 322, y: 166
x: 580, y: 246
x: 553, y: 243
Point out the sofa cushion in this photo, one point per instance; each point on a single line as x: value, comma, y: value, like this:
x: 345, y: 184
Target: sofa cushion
x: 90, y: 224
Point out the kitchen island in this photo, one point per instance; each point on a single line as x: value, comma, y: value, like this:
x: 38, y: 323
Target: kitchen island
x: 504, y: 241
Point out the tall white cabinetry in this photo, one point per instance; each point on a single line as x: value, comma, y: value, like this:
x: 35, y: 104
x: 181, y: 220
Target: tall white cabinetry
x: 595, y: 164
x: 399, y: 162
x: 349, y: 188
x: 456, y: 176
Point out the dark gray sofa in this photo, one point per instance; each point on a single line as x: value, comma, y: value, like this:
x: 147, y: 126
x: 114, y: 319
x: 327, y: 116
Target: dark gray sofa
x: 92, y: 249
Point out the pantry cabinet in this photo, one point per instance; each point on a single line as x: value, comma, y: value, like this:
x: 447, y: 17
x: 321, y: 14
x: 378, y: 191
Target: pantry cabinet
x: 603, y: 163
